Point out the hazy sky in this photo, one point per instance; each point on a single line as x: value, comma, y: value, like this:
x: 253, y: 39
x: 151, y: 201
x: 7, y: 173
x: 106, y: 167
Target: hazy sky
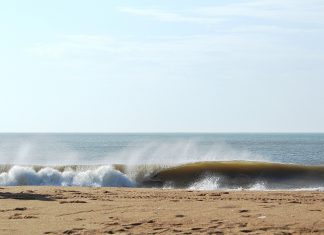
x: 162, y: 66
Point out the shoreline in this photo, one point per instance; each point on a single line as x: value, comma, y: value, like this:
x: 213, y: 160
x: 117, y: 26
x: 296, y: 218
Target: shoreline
x: 86, y: 210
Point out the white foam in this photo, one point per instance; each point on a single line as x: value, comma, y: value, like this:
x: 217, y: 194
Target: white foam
x: 213, y: 183
x: 319, y: 189
x: 208, y: 183
x: 103, y: 176
x: 259, y: 186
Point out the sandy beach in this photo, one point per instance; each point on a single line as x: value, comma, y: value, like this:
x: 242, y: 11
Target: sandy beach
x: 76, y: 210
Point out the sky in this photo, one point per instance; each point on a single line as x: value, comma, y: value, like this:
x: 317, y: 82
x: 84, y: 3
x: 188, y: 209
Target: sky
x: 162, y: 66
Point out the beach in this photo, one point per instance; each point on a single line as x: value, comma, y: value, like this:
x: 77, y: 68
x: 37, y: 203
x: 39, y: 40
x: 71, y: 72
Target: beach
x: 89, y: 210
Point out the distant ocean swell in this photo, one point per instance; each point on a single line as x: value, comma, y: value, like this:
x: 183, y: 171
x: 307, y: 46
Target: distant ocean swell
x: 198, y: 175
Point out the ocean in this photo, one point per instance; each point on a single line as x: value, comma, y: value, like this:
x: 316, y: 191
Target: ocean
x: 201, y: 161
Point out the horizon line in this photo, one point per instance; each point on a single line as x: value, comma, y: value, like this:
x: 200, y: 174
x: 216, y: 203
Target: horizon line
x: 166, y: 132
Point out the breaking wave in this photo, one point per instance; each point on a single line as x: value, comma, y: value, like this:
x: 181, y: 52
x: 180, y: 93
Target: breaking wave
x: 103, y: 176
x: 211, y: 175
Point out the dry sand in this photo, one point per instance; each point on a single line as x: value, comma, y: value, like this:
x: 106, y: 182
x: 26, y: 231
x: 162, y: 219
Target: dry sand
x: 65, y: 210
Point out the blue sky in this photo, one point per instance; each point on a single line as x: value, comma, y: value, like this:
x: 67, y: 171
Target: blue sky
x: 162, y: 66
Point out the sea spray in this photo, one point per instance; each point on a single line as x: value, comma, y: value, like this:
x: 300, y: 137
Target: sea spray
x: 38, y: 149
x: 180, y: 152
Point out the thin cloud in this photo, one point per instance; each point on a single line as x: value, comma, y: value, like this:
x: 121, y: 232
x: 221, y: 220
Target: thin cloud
x: 311, y: 11
x: 286, y: 14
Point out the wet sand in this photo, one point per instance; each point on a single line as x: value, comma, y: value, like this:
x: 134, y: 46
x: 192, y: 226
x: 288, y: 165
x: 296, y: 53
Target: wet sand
x: 73, y: 210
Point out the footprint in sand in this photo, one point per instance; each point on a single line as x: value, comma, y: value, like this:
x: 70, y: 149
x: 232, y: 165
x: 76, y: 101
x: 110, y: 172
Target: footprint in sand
x: 111, y: 223
x: 246, y: 231
x: 136, y: 224
x: 20, y: 216
x: 132, y: 225
x: 179, y: 216
x: 158, y: 228
x: 243, y: 211
x: 30, y: 217
x: 72, y: 231
x: 20, y: 209
x: 75, y: 201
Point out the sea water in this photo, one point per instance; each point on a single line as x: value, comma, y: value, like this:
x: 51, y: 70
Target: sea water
x: 89, y: 159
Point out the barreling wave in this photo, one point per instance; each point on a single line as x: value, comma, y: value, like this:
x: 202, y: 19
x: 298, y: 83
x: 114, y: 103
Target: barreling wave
x: 241, y: 174
x: 197, y: 175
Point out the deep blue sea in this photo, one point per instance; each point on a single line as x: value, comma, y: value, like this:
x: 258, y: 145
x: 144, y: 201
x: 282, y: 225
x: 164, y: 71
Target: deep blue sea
x: 20, y: 153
